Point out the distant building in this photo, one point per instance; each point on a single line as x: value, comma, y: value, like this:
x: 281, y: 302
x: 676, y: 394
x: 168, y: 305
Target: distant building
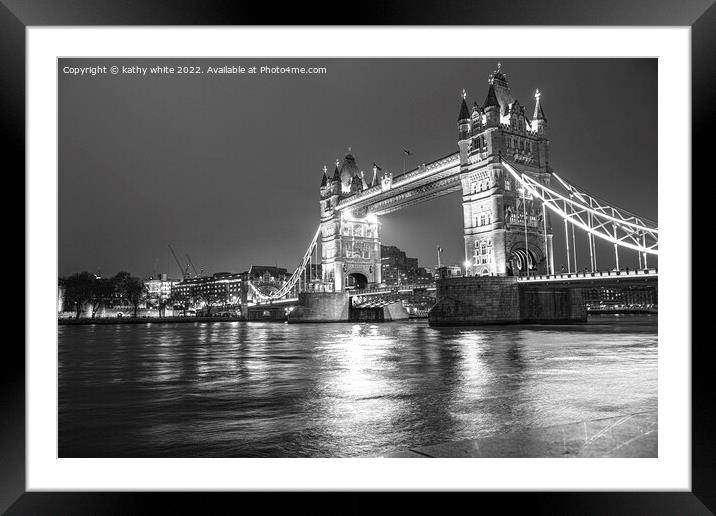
x: 61, y: 295
x: 219, y: 288
x: 448, y: 271
x: 226, y: 287
x: 159, y: 289
x: 267, y: 274
x: 265, y: 280
x: 620, y: 296
x: 397, y: 267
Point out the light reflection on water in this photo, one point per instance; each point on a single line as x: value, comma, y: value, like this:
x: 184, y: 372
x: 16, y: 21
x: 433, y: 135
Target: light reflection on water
x: 339, y: 390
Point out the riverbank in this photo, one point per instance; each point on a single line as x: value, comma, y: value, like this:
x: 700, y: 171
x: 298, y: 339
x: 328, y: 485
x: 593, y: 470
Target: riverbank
x: 195, y: 319
x: 621, y: 311
x: 630, y: 435
x: 144, y: 320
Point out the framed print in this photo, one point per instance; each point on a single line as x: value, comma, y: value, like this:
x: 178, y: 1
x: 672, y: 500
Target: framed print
x: 288, y: 257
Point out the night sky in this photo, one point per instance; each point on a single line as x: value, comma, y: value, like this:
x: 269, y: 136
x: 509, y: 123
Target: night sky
x: 227, y: 168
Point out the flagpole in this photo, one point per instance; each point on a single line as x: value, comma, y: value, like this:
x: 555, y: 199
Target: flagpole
x: 438, y: 249
x: 406, y: 153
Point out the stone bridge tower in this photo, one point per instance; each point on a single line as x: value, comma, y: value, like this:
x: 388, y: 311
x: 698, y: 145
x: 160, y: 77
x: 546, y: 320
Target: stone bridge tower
x: 506, y: 231
x: 350, y: 241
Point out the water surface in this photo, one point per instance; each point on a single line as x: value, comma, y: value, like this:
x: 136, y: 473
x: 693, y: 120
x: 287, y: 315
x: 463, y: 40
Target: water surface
x: 236, y: 389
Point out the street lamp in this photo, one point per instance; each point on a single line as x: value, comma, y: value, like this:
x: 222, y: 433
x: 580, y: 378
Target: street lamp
x: 467, y: 266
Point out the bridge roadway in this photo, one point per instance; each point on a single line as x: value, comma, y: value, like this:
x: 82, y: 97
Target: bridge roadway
x: 377, y: 296
x: 563, y: 278
x: 591, y: 277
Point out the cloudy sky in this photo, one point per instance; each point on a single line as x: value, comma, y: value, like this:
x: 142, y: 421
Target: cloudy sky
x: 226, y: 168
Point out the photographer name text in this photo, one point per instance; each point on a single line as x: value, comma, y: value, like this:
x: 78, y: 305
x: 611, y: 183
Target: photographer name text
x: 143, y: 71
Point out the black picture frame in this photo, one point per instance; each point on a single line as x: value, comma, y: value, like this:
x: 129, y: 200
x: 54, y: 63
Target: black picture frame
x: 17, y: 15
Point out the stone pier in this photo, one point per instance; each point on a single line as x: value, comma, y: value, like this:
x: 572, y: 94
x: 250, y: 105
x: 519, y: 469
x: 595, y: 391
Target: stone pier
x: 321, y: 307
x: 474, y: 301
x: 390, y: 312
x: 336, y: 307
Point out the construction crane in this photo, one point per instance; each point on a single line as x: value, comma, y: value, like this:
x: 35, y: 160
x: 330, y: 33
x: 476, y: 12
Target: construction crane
x: 183, y: 272
x: 196, y: 274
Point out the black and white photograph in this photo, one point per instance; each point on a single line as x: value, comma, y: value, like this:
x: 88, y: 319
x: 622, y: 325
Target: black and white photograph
x: 278, y: 249
x: 358, y: 257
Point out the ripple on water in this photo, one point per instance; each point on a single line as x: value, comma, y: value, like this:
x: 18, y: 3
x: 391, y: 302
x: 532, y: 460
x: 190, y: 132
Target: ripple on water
x: 338, y: 390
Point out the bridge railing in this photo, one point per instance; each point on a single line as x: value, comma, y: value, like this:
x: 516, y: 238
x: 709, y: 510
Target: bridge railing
x: 589, y: 274
x: 370, y: 289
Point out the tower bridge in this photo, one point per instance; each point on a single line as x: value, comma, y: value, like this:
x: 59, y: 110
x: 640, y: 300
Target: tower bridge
x: 511, y: 197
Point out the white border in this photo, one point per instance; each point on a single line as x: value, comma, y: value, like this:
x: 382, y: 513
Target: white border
x: 670, y: 471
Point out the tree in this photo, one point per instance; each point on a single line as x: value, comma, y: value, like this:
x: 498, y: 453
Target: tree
x: 130, y: 289
x: 135, y: 293
x: 79, y: 291
x: 183, y: 300
x: 101, y: 290
x: 162, y: 306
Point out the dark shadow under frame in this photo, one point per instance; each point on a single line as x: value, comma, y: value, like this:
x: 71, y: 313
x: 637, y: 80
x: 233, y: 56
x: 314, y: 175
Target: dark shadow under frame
x: 16, y: 15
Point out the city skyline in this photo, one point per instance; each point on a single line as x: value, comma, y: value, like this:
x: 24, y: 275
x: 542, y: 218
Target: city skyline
x: 227, y: 170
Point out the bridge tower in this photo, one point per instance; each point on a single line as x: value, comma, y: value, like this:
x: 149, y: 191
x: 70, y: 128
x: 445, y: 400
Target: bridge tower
x: 506, y: 231
x: 350, y: 240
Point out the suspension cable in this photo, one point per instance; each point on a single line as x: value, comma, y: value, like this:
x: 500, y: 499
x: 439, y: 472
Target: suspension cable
x: 596, y: 220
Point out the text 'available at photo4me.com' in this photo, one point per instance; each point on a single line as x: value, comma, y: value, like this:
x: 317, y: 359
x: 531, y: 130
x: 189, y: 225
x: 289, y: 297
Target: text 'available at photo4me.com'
x: 163, y: 69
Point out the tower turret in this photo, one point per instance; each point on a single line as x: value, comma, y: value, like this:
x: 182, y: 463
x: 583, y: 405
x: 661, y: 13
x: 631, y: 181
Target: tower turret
x: 491, y: 108
x: 463, y: 119
x: 463, y: 128
x: 325, y: 190
x: 336, y: 181
x: 539, y: 121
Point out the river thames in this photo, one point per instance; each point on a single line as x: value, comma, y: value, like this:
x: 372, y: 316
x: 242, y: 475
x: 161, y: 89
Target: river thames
x: 234, y: 389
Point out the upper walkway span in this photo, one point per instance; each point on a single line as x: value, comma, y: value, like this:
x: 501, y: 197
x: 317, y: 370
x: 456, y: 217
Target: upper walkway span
x: 430, y: 180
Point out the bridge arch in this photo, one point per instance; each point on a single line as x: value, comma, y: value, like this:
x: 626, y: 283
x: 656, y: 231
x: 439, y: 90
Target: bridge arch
x: 357, y: 280
x: 521, y: 260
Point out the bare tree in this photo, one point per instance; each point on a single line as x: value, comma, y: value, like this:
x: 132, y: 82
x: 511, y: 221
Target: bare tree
x: 101, y: 290
x: 78, y: 291
x: 130, y: 289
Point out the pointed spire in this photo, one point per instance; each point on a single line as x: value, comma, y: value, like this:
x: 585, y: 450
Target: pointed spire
x: 464, y: 112
x: 491, y: 99
x: 336, y: 174
x: 539, y: 114
x: 324, y: 180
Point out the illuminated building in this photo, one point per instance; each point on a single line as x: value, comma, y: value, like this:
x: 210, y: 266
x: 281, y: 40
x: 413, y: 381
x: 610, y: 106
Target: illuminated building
x: 219, y: 288
x: 397, y: 268
x: 159, y: 289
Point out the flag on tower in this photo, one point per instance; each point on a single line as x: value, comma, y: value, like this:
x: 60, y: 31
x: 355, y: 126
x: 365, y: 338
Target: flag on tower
x: 440, y: 249
x: 376, y: 166
x: 407, y: 152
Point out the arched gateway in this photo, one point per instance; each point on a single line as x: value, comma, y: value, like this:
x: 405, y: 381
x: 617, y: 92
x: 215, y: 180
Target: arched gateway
x: 505, y: 229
